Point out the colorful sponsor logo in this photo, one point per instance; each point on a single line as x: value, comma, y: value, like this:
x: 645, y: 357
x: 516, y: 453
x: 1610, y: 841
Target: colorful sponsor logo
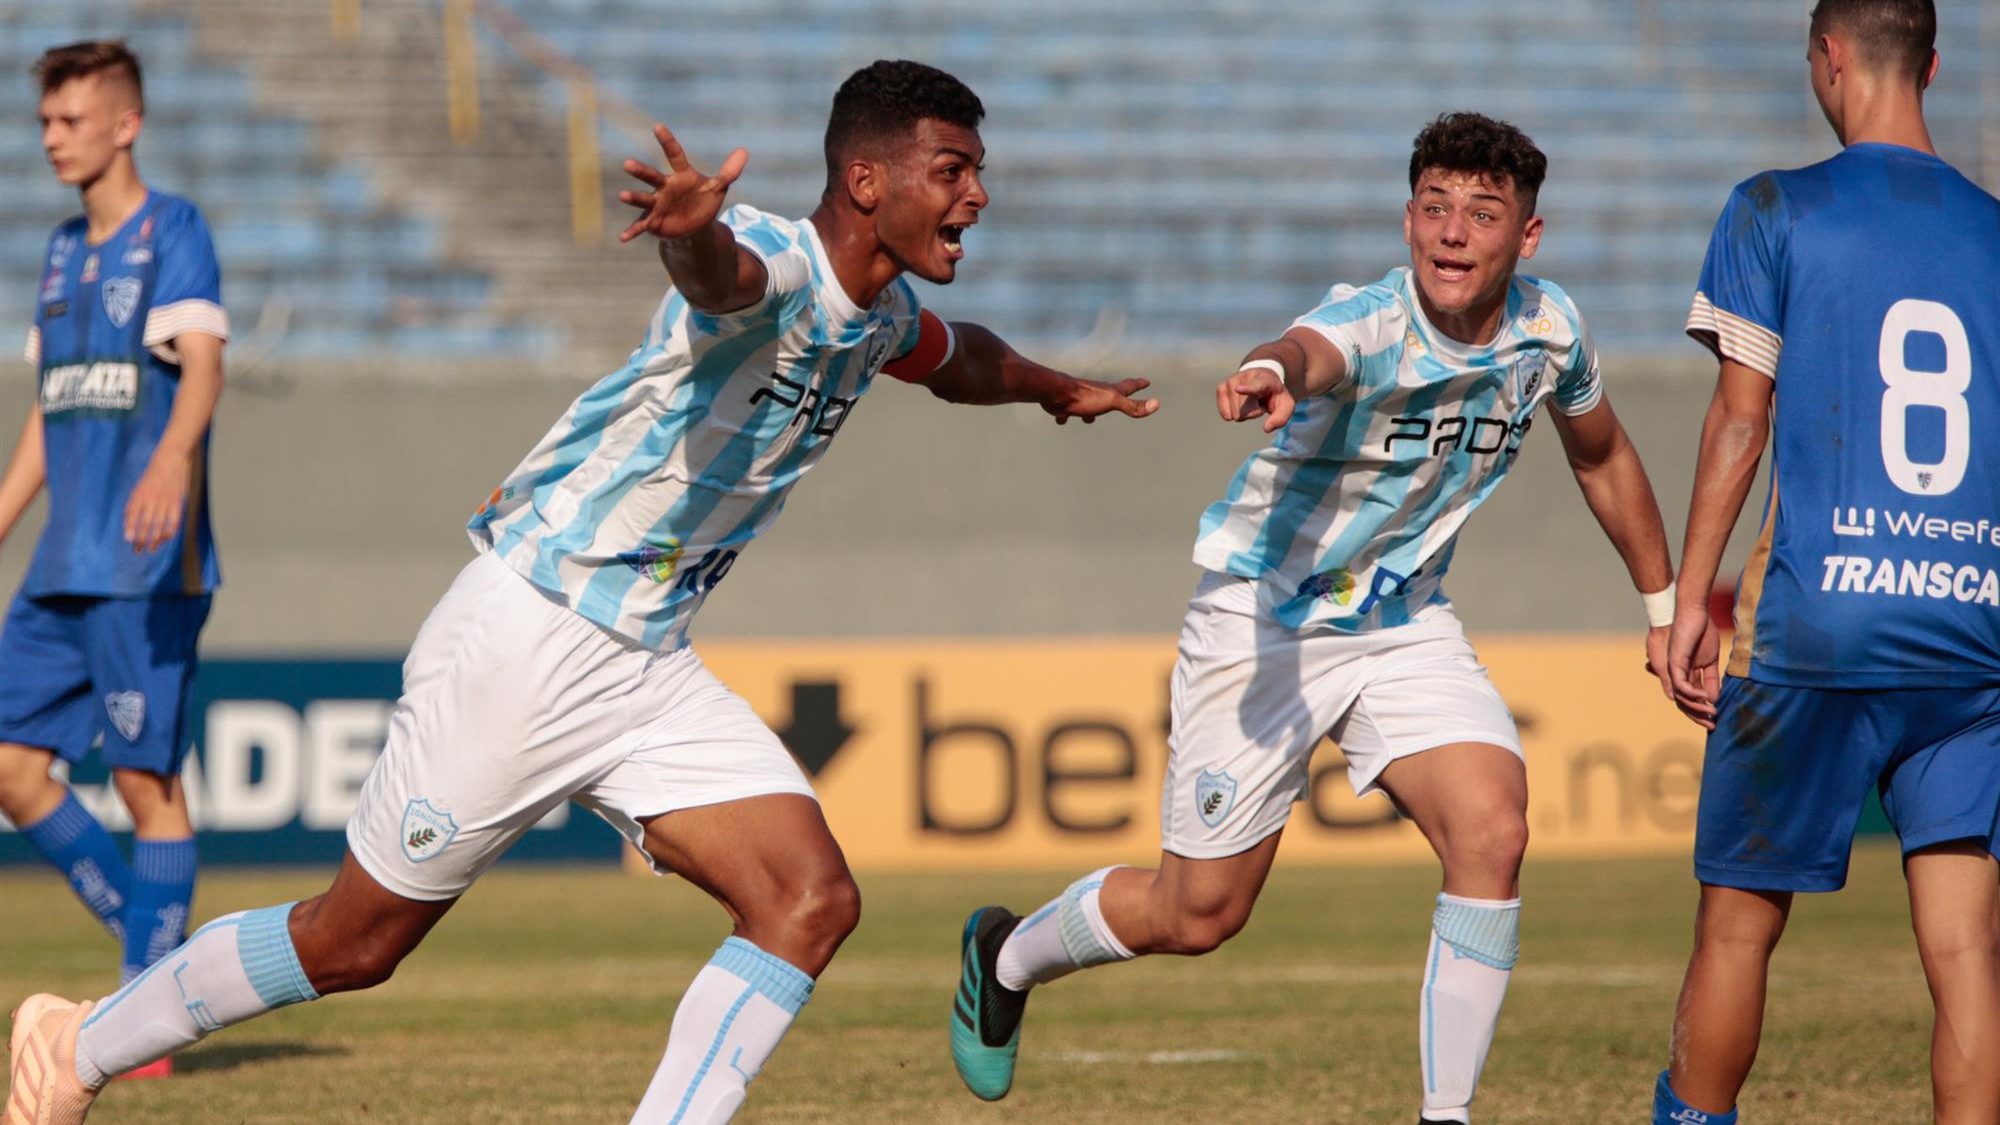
x: 89, y: 270
x: 1336, y: 586
x: 655, y: 563
x: 1537, y: 322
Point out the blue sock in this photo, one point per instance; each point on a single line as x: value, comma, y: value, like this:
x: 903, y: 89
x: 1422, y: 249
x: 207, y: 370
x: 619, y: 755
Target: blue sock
x: 72, y: 841
x: 1669, y: 1109
x: 156, y: 914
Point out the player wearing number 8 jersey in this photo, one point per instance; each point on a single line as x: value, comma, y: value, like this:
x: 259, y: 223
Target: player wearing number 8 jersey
x: 1851, y: 306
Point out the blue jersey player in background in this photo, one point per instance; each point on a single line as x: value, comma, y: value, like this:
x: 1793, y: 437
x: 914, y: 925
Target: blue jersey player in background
x: 100, y: 642
x: 1852, y: 306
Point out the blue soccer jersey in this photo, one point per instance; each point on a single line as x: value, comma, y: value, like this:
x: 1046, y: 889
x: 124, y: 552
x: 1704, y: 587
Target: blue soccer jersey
x: 1348, y: 519
x: 1863, y: 286
x: 646, y: 490
x: 103, y: 346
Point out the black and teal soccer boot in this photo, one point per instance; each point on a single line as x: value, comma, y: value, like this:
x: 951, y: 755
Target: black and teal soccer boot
x: 985, y: 1017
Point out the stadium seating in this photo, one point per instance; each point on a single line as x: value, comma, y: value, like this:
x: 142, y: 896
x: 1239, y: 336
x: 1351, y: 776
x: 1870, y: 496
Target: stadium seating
x: 303, y: 239
x: 1202, y: 171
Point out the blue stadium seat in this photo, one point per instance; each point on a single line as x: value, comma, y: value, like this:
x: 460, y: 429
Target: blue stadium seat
x: 1203, y: 170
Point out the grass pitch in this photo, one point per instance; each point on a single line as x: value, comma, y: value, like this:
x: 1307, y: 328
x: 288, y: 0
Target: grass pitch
x: 545, y: 998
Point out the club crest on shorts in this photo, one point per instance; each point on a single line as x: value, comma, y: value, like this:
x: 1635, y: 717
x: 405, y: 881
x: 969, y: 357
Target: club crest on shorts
x: 1214, y: 796
x: 127, y: 710
x: 426, y: 831
x: 121, y: 299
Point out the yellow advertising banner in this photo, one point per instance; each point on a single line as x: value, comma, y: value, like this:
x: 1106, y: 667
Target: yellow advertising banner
x: 1050, y: 752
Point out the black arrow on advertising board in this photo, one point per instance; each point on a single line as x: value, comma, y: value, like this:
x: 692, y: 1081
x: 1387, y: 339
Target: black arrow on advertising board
x: 816, y: 732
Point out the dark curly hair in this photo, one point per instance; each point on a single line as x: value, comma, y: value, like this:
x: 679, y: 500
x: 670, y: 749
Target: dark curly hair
x: 1476, y: 143
x: 109, y: 57
x: 1894, y: 36
x: 883, y: 101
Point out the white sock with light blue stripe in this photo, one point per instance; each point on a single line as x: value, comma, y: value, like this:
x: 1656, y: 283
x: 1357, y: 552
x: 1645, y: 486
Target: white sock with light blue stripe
x: 1066, y: 935
x: 236, y: 967
x: 1474, y: 944
x: 738, y: 1008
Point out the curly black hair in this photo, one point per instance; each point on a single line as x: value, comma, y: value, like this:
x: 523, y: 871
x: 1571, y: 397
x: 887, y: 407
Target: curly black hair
x: 1476, y: 143
x: 883, y: 101
x: 1896, y: 36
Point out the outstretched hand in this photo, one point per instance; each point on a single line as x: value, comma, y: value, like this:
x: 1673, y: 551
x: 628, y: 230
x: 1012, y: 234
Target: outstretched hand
x: 683, y: 200
x: 1255, y: 393
x: 1088, y: 399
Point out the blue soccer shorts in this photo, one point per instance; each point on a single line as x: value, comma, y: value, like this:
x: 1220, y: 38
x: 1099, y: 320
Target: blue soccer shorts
x: 72, y: 668
x: 1788, y: 771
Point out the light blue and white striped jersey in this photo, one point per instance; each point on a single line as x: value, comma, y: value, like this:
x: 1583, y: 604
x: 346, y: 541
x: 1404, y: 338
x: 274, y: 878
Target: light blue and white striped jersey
x: 640, y: 498
x: 1348, y: 519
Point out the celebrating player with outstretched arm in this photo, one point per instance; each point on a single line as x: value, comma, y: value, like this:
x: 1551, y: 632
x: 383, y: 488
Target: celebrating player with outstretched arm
x: 557, y: 666
x: 1398, y: 407
x: 1851, y: 305
x: 99, y: 647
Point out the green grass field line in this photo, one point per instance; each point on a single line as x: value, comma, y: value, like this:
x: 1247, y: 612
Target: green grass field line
x: 545, y: 996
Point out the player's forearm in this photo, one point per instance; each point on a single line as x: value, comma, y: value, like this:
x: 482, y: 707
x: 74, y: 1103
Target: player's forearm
x: 988, y: 372
x: 194, y: 401
x: 1312, y: 364
x: 1621, y: 497
x: 1732, y: 442
x: 26, y: 471
x: 706, y: 268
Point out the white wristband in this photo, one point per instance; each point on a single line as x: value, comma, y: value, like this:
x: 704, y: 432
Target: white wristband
x: 1271, y: 365
x: 1659, y: 608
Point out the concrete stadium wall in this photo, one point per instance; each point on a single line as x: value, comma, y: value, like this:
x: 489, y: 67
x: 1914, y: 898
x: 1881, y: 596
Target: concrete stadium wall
x: 339, y: 499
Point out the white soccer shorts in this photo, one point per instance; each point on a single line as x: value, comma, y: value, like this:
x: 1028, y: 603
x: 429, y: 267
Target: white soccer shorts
x: 513, y: 704
x: 1251, y: 699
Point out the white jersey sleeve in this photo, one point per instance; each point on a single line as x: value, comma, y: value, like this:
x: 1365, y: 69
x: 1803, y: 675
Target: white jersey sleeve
x: 1579, y: 383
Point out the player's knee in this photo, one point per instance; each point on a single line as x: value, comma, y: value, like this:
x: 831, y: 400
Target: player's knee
x: 829, y: 909
x: 1968, y: 945
x: 817, y: 912
x: 24, y: 779
x: 1736, y: 938
x: 1490, y: 844
x: 146, y: 795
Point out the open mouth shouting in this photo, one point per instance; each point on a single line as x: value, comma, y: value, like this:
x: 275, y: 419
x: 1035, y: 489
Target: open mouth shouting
x: 952, y: 235
x: 1453, y: 269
